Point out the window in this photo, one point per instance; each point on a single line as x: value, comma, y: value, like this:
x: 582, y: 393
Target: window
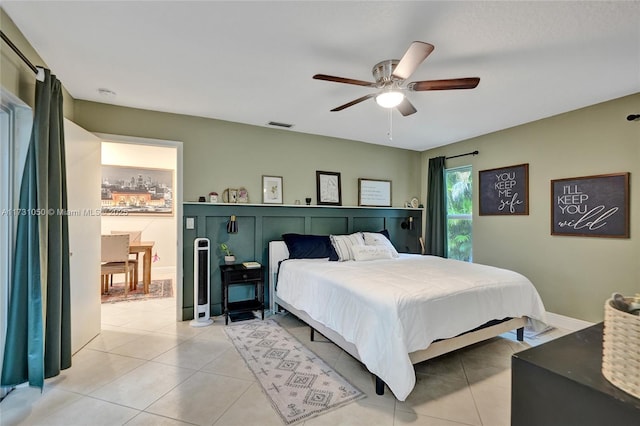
x: 15, y: 129
x: 459, y: 213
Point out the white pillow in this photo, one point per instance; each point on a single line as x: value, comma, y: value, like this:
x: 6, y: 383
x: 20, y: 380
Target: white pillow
x: 377, y: 239
x: 371, y: 253
x: 343, y: 244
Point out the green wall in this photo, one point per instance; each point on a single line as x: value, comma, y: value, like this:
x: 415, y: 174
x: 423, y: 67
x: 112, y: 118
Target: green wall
x: 221, y: 154
x: 574, y: 275
x: 15, y: 75
x: 257, y: 225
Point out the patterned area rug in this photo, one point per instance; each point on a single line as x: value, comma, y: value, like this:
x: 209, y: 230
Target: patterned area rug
x: 157, y: 289
x: 299, y: 383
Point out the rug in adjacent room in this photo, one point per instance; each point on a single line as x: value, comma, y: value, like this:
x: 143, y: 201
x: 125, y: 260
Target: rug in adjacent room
x: 157, y: 289
x: 299, y: 384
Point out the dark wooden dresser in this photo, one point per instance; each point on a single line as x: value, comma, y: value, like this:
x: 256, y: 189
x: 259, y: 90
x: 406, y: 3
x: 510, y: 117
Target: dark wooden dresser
x: 560, y: 383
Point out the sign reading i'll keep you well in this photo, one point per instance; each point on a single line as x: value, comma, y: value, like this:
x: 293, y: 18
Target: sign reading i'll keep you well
x: 504, y: 191
x: 591, y: 206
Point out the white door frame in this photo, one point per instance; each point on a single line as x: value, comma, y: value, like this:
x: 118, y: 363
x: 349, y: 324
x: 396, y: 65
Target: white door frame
x: 106, y: 137
x: 17, y: 122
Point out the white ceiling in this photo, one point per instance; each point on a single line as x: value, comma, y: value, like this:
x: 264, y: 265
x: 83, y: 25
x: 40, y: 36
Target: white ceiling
x: 252, y: 62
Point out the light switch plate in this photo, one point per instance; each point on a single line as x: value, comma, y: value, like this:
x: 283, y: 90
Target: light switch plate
x: 190, y: 224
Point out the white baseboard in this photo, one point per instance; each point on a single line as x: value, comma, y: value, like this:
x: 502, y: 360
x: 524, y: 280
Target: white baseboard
x: 568, y: 323
x: 164, y: 269
x: 163, y: 272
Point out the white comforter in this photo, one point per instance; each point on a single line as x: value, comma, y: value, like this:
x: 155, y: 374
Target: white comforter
x: 389, y: 308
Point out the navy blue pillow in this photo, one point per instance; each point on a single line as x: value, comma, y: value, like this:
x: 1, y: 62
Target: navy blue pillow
x: 385, y: 233
x: 309, y: 246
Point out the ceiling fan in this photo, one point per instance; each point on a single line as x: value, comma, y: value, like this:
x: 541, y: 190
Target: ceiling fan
x: 390, y: 76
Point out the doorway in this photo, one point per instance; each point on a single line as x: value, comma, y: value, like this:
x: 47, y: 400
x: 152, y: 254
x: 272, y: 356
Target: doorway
x: 142, y: 192
x: 15, y: 128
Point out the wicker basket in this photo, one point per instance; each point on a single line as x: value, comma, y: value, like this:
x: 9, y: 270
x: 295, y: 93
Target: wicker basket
x: 621, y: 349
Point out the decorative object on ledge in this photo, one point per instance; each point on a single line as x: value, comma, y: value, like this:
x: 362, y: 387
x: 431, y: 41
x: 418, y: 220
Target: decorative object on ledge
x: 243, y: 195
x: 328, y: 188
x: 232, y: 225
x: 415, y: 203
x: 591, y: 206
x: 408, y: 224
x: 272, y: 189
x: 504, y: 191
x: 308, y: 201
x: 213, y: 197
x: 230, y: 195
x: 374, y: 192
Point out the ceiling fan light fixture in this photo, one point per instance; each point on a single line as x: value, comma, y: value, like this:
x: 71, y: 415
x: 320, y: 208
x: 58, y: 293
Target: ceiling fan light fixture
x: 389, y: 98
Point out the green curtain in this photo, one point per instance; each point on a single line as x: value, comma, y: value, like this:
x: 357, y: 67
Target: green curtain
x: 436, y: 226
x: 38, y: 341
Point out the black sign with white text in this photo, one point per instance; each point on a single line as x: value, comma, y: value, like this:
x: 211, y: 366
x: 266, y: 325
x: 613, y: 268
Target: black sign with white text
x: 504, y: 191
x: 596, y: 206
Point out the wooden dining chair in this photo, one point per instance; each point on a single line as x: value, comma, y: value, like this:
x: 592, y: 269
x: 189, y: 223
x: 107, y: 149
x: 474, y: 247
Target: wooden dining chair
x: 114, y: 259
x: 134, y: 237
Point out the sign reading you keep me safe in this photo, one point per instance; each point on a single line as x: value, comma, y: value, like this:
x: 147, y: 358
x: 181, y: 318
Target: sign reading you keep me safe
x: 504, y: 191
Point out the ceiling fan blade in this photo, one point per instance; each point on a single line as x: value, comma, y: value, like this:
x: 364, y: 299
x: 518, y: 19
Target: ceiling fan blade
x: 406, y: 108
x: 453, y: 83
x: 413, y: 57
x: 343, y: 80
x: 352, y: 103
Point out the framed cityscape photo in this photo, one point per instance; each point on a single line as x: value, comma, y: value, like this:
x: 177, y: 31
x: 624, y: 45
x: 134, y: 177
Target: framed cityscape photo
x: 136, y: 191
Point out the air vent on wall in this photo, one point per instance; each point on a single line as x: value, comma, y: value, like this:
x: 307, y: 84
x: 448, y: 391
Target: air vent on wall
x: 277, y: 124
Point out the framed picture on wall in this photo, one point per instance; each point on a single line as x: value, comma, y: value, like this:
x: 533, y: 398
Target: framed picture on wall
x: 328, y: 188
x: 272, y: 189
x: 129, y: 191
x: 374, y: 192
x: 591, y: 206
x: 504, y: 191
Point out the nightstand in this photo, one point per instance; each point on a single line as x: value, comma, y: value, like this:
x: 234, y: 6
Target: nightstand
x: 239, y: 275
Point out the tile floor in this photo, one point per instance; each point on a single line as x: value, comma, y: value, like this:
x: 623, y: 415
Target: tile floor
x: 147, y: 369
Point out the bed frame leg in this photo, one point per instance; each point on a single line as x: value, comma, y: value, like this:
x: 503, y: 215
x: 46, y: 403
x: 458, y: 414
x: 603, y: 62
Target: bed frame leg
x: 520, y: 334
x: 379, y: 386
x: 311, y: 337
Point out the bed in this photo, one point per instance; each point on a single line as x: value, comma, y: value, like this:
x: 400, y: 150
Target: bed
x: 391, y: 313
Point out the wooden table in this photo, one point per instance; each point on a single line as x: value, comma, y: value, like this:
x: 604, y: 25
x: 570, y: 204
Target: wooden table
x: 144, y: 247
